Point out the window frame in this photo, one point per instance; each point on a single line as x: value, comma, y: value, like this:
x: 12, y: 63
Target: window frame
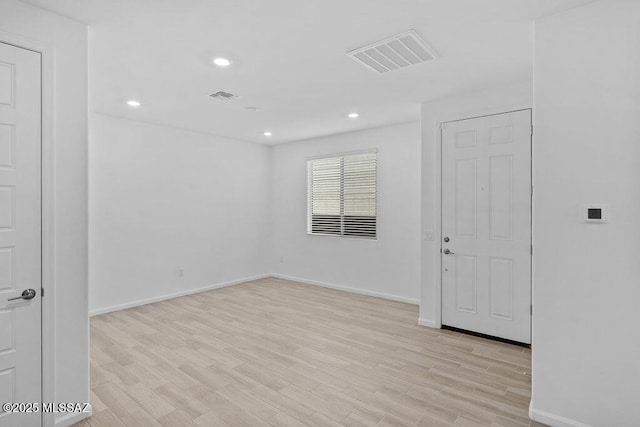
x: 341, y: 156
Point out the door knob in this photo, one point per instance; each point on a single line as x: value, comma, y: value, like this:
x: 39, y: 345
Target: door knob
x: 446, y: 240
x: 26, y: 294
x: 447, y: 252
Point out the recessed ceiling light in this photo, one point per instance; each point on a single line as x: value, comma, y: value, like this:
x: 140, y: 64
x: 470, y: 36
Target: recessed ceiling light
x: 133, y: 103
x: 221, y: 62
x: 353, y: 115
x: 268, y: 133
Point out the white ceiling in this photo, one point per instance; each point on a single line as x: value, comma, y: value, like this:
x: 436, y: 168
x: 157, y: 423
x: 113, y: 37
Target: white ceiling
x: 289, y: 59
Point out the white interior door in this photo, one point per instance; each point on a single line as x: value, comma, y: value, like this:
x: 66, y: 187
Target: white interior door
x: 486, y: 225
x: 20, y: 233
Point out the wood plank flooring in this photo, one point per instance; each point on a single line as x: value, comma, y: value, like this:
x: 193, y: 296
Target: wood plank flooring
x: 278, y: 353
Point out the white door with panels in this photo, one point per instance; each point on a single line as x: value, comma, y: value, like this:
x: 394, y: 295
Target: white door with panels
x: 486, y: 225
x: 20, y: 233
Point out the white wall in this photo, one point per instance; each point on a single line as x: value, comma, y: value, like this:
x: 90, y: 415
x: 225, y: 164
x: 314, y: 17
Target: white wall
x: 586, y: 343
x: 164, y: 199
x: 388, y: 266
x: 501, y: 99
x: 68, y: 380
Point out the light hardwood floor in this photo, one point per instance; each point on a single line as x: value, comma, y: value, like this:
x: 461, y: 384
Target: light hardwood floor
x: 275, y: 352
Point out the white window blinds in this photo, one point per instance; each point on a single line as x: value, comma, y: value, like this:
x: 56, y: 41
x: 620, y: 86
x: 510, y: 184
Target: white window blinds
x: 342, y: 195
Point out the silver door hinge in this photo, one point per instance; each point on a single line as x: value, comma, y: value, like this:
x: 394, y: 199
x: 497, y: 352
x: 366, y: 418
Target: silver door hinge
x: 42, y: 292
x: 531, y: 130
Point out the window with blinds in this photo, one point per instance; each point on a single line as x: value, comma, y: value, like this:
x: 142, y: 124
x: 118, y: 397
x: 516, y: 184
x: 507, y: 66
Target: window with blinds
x: 342, y: 195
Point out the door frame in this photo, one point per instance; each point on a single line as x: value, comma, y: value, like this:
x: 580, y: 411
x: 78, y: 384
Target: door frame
x: 439, y: 122
x: 47, y: 192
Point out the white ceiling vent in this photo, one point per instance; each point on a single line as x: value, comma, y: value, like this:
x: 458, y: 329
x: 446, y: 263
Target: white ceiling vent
x: 223, y: 96
x: 400, y: 51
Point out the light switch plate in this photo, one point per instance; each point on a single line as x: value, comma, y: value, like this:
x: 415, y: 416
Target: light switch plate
x: 428, y: 235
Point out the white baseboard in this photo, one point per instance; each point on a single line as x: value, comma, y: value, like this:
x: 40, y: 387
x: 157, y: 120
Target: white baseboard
x: 173, y: 295
x: 348, y: 289
x: 145, y: 301
x: 552, y: 419
x: 72, y: 418
x: 428, y: 323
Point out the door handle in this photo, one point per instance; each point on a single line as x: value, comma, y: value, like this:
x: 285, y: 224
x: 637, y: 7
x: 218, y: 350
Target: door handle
x: 26, y: 294
x: 448, y: 252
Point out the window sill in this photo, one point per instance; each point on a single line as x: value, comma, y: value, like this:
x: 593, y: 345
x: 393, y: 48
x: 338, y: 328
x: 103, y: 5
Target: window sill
x: 335, y: 236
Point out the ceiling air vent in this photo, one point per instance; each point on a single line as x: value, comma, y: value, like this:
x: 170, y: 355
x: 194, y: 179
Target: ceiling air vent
x: 400, y: 51
x: 223, y: 96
